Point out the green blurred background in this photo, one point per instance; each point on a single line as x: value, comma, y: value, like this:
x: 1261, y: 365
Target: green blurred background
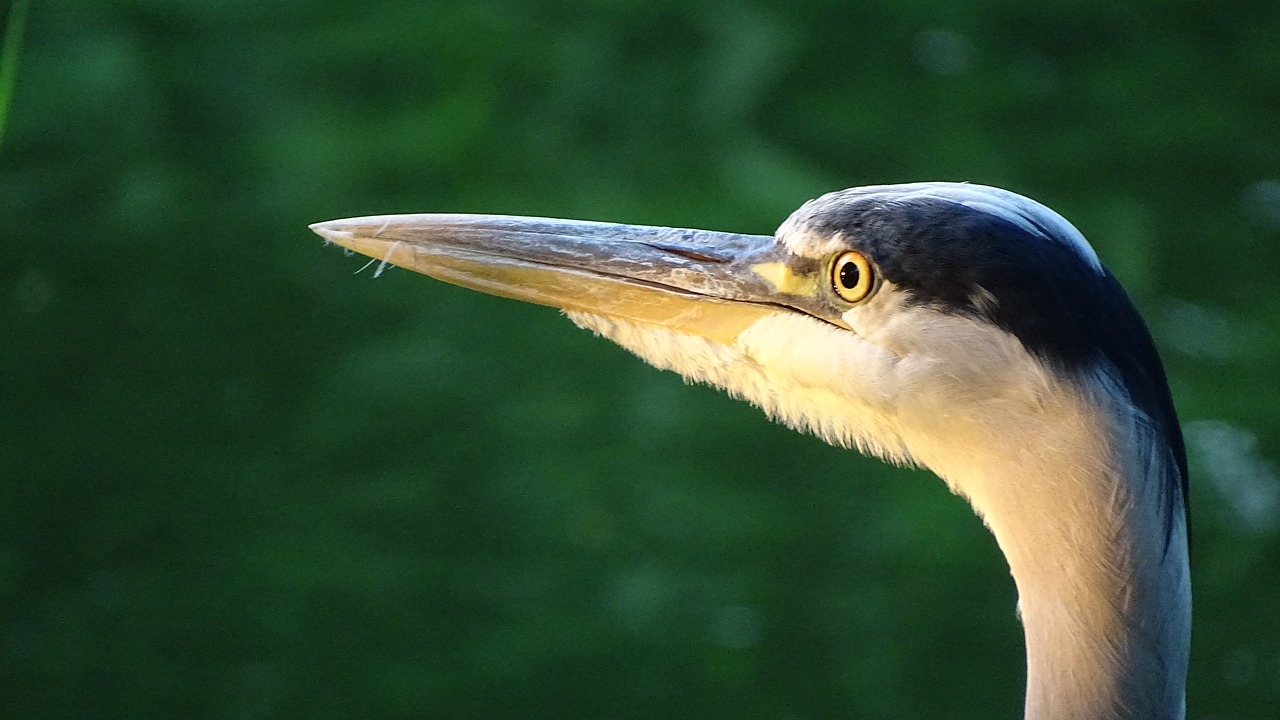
x: 239, y: 479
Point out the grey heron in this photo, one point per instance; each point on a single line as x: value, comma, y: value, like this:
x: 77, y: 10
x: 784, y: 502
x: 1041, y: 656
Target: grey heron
x: 958, y: 327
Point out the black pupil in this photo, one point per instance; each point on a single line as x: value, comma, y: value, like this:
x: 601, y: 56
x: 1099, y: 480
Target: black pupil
x: 849, y: 275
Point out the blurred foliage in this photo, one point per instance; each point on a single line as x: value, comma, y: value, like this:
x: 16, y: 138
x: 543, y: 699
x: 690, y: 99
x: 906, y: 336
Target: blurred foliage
x: 238, y: 481
x: 10, y: 47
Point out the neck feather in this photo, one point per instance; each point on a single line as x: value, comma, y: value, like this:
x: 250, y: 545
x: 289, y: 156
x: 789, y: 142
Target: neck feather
x: 1103, y: 585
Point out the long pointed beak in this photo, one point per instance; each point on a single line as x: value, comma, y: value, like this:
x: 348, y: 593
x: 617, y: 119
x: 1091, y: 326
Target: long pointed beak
x: 712, y: 284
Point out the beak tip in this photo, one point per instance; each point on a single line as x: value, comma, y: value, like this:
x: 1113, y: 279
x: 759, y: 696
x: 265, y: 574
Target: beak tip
x: 331, y: 231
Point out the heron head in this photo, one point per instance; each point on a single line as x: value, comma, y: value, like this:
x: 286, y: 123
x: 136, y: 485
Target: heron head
x: 881, y: 317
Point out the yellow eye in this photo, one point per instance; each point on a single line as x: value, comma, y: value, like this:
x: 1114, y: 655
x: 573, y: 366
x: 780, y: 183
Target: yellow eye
x: 852, y: 276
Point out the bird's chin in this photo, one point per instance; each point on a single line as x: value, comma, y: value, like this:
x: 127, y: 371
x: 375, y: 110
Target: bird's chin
x: 702, y: 350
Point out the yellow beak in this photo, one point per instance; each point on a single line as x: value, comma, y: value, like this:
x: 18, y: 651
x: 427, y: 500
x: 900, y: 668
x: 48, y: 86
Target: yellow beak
x: 700, y: 282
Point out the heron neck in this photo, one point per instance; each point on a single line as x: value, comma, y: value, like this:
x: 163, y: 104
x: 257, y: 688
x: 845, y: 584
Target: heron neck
x: 1106, y: 631
x: 1103, y: 596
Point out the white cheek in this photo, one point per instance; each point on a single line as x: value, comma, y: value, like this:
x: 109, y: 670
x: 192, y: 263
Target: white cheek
x: 946, y: 358
x: 960, y: 385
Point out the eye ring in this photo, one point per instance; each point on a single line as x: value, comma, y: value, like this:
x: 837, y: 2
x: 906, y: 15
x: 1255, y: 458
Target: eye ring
x: 852, y: 276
